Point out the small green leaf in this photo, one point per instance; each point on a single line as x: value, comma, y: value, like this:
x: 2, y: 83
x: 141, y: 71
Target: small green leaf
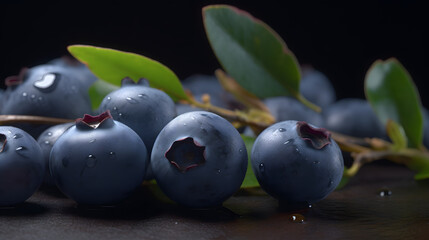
x: 344, y: 180
x: 391, y: 91
x: 113, y: 65
x: 98, y: 91
x: 420, y: 164
x: 250, y: 179
x: 396, y: 134
x: 252, y: 53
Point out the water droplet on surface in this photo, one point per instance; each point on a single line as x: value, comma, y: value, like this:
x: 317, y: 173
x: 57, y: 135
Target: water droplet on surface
x: 92, y: 140
x: 112, y: 154
x: 240, y: 150
x: 115, y: 109
x: 91, y: 161
x: 109, y: 98
x: 385, y: 192
x: 193, y: 118
x: 184, y: 124
x: 120, y: 114
x: 176, y: 223
x: 33, y: 96
x: 297, y: 218
x: 142, y: 95
x: 282, y: 130
x: 218, y: 171
x: 131, y: 100
x: 20, y: 148
x: 49, y: 134
x: 47, y: 142
x: 24, y: 94
x: 261, y: 168
x: 40, y: 99
x: 18, y: 135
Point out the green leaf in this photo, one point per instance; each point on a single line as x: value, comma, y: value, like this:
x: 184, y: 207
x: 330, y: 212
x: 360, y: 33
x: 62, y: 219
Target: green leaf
x: 113, y: 65
x: 98, y: 91
x: 397, y: 135
x: 250, y: 178
x: 252, y: 53
x: 391, y: 91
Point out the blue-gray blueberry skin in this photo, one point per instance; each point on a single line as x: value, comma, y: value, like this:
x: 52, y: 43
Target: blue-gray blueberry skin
x: 49, y: 91
x: 288, y: 108
x: 200, y: 84
x: 296, y: 162
x: 98, y: 161
x: 80, y: 71
x: 353, y: 117
x: 144, y: 109
x: 199, y: 160
x: 317, y: 88
x: 1, y: 98
x: 21, y: 166
x: 46, y: 141
x: 425, y: 114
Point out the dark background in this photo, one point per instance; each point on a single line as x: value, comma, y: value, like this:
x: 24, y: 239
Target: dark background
x: 341, y: 40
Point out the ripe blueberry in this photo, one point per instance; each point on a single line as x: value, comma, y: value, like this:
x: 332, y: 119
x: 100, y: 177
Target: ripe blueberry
x: 296, y: 162
x: 353, y: 117
x: 46, y: 141
x: 144, y: 109
x: 50, y: 91
x: 199, y: 159
x: 21, y: 166
x: 98, y: 161
x: 287, y: 108
x: 317, y: 88
x: 198, y: 85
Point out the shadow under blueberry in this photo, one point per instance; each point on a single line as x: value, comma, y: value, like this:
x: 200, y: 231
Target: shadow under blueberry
x: 142, y: 204
x: 26, y: 209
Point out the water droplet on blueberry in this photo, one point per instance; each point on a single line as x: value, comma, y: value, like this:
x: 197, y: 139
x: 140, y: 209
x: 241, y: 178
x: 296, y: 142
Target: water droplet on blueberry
x: 22, y: 151
x: 91, y: 161
x: 112, y: 154
x: 49, y: 134
x: 218, y: 171
x: 47, y: 142
x: 18, y: 135
x: 142, y: 95
x: 131, y: 100
x: 47, y: 83
x: 109, y: 98
x: 92, y: 140
x: 282, y: 130
x: 24, y: 94
x: 261, y: 168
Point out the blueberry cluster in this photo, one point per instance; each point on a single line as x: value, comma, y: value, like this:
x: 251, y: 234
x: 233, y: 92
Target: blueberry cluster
x: 197, y: 158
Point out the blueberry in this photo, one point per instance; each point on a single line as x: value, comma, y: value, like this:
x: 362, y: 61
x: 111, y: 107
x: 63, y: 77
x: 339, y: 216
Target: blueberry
x: 98, y: 161
x: 80, y: 70
x: 200, y: 84
x: 46, y: 141
x: 199, y: 159
x: 144, y: 109
x: 287, y: 108
x: 297, y: 162
x: 21, y: 166
x: 353, y: 117
x: 317, y: 88
x: 50, y: 91
x: 1, y: 98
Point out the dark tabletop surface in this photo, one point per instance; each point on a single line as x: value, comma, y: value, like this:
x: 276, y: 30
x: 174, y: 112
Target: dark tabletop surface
x: 357, y: 211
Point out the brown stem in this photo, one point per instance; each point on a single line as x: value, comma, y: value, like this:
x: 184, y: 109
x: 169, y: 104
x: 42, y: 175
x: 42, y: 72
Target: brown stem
x: 9, y: 119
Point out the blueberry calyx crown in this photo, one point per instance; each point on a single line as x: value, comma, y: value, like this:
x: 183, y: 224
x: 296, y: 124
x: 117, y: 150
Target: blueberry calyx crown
x: 318, y: 137
x: 186, y: 154
x: 13, y: 81
x: 3, y: 141
x: 94, y: 122
x: 128, y: 81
